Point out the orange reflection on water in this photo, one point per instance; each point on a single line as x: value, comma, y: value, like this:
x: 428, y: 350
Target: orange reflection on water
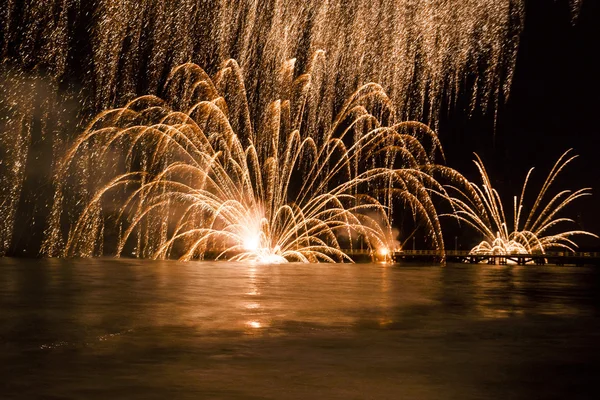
x: 254, y: 324
x: 253, y: 290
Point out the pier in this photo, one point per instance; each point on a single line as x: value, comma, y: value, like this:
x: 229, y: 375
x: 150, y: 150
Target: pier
x: 461, y: 256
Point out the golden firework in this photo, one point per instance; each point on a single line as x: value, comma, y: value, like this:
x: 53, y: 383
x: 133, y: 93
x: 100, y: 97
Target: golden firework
x: 531, y: 232
x: 192, y: 177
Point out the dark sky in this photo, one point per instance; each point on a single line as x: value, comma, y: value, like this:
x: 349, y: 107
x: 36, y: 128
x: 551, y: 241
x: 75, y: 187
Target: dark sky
x: 553, y: 106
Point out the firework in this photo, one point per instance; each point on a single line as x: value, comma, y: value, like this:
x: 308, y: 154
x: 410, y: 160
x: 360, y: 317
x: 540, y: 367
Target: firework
x: 191, y: 176
x: 531, y: 232
x: 101, y: 54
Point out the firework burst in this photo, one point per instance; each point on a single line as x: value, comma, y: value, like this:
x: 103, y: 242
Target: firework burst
x: 481, y: 208
x: 191, y: 177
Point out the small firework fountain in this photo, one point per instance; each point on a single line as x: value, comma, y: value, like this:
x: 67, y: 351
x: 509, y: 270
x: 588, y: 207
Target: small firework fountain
x: 481, y: 208
x: 191, y: 177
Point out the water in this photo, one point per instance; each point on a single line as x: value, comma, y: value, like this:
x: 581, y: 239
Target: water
x: 128, y: 329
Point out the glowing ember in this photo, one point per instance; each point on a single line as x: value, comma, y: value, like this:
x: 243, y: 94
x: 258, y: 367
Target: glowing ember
x: 383, y: 252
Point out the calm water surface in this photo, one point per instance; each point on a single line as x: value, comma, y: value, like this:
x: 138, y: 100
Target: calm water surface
x: 128, y: 329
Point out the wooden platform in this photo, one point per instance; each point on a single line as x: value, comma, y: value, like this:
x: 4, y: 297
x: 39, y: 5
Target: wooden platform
x: 555, y: 258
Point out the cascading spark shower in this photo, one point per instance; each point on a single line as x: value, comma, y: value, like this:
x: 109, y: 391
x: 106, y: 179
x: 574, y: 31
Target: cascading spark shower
x: 192, y: 177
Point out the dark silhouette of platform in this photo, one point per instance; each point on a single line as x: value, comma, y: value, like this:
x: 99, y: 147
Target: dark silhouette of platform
x: 460, y: 256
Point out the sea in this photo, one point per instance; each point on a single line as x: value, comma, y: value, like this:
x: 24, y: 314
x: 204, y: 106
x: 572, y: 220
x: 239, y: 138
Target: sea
x: 136, y: 329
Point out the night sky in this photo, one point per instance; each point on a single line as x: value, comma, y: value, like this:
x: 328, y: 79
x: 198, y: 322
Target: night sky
x: 553, y: 106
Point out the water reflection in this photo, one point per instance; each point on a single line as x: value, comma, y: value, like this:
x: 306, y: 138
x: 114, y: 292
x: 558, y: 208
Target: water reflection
x: 512, y: 291
x: 112, y: 295
x: 202, y: 326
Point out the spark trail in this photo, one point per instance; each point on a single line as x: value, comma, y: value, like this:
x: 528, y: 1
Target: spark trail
x: 531, y: 231
x: 192, y: 177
